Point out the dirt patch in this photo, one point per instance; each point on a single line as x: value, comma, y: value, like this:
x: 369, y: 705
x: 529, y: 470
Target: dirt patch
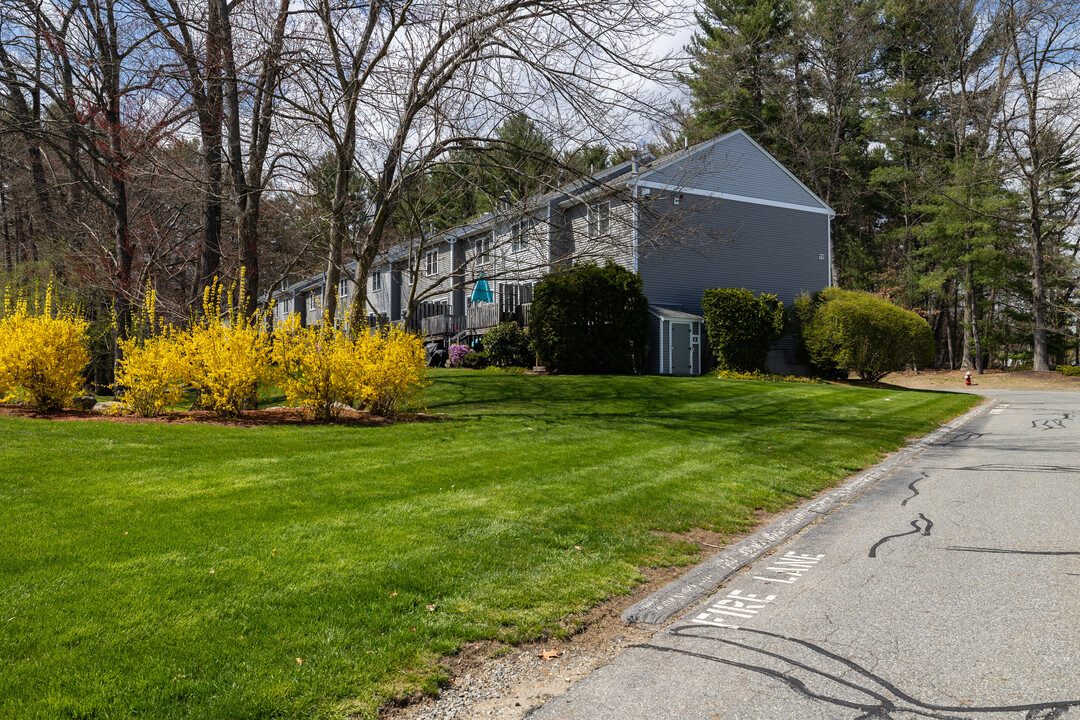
x: 990, y: 380
x: 251, y: 418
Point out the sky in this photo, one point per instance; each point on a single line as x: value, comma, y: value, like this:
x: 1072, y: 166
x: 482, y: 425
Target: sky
x: 676, y: 38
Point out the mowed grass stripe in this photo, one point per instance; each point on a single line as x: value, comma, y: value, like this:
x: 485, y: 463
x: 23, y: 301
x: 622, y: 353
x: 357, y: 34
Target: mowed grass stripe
x: 328, y: 543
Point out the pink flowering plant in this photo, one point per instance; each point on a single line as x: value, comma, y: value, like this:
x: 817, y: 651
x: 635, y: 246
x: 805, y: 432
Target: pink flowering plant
x: 457, y: 355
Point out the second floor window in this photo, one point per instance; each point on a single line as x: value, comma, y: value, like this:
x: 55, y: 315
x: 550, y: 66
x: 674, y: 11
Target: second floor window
x: 376, y: 281
x: 431, y: 263
x: 599, y: 219
x: 311, y: 301
x: 483, y: 250
x: 519, y: 236
x: 343, y: 288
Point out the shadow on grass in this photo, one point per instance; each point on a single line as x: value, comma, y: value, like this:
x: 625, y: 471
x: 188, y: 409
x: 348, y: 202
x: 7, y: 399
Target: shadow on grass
x: 250, y: 418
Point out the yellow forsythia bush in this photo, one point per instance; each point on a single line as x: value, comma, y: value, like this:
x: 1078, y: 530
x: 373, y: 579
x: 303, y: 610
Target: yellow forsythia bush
x: 227, y: 354
x: 391, y: 370
x: 324, y: 370
x: 313, y: 367
x: 150, y: 375
x: 43, y: 351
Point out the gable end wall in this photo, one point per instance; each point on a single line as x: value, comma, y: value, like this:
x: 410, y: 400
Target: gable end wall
x: 736, y: 167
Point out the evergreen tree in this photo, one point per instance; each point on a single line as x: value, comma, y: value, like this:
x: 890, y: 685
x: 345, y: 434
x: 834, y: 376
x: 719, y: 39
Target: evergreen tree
x: 737, y: 65
x: 518, y: 162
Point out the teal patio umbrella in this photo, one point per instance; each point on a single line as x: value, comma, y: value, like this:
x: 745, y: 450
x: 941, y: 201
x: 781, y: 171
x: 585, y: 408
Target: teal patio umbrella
x: 482, y: 291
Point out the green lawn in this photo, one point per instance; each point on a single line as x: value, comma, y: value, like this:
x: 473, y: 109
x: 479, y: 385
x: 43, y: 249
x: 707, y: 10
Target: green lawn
x: 178, y: 571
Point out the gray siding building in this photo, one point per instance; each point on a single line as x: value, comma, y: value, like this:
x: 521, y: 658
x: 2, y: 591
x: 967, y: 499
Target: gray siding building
x: 723, y: 213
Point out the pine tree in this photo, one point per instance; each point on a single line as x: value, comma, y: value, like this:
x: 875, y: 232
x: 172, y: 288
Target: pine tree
x: 736, y: 72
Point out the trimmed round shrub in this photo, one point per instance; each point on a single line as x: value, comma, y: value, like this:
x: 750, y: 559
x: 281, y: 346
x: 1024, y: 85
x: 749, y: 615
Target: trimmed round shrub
x: 508, y: 346
x: 856, y: 331
x: 590, y: 319
x: 742, y: 327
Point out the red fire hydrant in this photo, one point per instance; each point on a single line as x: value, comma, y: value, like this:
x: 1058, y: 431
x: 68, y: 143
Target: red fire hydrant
x: 967, y: 378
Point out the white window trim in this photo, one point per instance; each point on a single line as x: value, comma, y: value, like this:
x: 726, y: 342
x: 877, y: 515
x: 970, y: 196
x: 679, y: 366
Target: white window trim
x: 311, y: 301
x: 376, y: 281
x: 431, y: 269
x: 519, y: 236
x: 489, y: 239
x: 343, y: 288
x: 594, y: 218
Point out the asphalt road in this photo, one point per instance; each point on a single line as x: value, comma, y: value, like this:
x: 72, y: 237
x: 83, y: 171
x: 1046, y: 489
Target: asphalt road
x: 951, y: 589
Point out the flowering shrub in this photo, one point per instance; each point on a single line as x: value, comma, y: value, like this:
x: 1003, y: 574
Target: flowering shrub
x: 151, y: 372
x: 227, y: 354
x: 314, y: 367
x: 391, y: 370
x: 150, y: 375
x: 457, y: 355
x: 43, y: 350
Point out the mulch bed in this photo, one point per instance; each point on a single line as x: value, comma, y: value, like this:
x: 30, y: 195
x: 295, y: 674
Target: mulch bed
x: 250, y: 418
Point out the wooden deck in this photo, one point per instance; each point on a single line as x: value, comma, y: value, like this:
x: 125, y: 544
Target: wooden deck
x: 510, y: 303
x: 477, y: 320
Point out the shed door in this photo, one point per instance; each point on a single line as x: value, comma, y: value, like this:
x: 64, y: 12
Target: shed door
x: 680, y: 349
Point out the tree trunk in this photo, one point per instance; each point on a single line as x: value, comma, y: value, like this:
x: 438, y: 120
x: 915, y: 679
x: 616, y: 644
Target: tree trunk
x: 27, y: 124
x: 247, y: 231
x: 338, y: 232
x: 971, y: 324
x: 950, y: 325
x: 210, y: 250
x: 5, y: 249
x: 123, y: 257
x: 967, y: 362
x: 1039, y: 360
x: 358, y: 306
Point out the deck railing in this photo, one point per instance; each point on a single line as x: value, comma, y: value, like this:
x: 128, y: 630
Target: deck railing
x: 447, y: 324
x: 435, y: 319
x: 482, y: 317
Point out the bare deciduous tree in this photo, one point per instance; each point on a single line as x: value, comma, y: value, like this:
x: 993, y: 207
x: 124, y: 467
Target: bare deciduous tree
x: 1040, y: 125
x: 392, y: 87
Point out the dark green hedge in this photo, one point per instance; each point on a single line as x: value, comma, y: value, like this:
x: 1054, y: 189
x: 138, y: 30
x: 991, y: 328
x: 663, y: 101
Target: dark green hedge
x: 590, y: 319
x: 742, y: 327
x: 848, y: 330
